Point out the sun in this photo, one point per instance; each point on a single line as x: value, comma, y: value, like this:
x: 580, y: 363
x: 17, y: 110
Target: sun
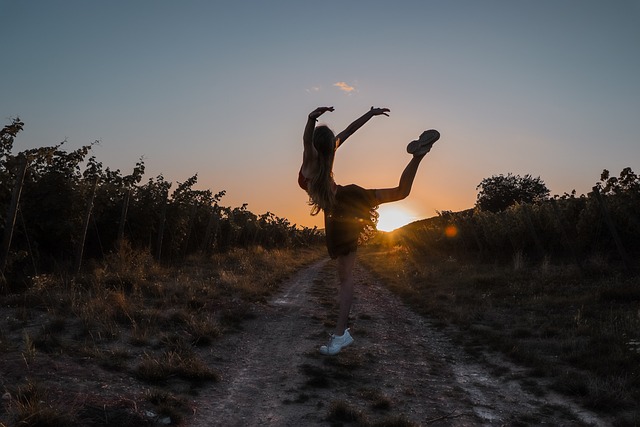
x: 392, y: 217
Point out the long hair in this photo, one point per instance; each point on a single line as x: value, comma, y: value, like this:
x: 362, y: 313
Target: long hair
x: 320, y: 189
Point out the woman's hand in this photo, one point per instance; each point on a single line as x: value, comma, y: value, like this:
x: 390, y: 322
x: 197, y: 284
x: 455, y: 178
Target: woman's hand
x: 318, y: 112
x: 379, y: 111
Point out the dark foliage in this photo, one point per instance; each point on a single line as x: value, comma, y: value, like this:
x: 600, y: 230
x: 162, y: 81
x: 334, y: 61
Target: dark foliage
x: 499, y: 192
x: 597, y: 228
x: 60, y: 187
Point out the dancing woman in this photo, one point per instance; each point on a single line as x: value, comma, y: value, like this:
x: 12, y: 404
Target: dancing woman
x: 349, y: 211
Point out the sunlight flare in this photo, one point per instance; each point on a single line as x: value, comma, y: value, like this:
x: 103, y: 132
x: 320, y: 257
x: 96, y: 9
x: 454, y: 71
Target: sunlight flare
x: 392, y: 217
x: 451, y: 231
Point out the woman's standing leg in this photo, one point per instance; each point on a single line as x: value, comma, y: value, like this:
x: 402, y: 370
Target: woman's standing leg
x: 341, y: 338
x: 345, y: 275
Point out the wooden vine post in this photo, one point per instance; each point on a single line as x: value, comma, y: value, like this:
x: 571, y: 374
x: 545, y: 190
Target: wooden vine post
x: 612, y: 228
x: 562, y: 226
x: 163, y: 218
x: 123, y: 214
x: 213, y: 217
x: 532, y: 230
x: 10, y: 221
x: 85, y: 226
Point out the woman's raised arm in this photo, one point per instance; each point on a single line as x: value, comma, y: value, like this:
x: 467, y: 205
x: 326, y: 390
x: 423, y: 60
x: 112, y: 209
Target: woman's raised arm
x: 307, y: 138
x: 358, y: 123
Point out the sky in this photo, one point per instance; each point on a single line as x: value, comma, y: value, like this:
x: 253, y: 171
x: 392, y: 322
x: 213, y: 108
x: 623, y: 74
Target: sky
x: 222, y: 89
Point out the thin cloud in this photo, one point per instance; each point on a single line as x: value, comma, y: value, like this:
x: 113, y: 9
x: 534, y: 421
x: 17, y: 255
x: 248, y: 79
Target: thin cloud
x: 344, y: 87
x: 314, y: 89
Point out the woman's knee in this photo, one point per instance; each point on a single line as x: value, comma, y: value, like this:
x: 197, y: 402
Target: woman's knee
x: 345, y: 266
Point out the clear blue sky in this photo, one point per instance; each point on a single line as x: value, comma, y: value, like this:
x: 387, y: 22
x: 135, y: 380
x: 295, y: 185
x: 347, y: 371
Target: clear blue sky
x: 222, y: 89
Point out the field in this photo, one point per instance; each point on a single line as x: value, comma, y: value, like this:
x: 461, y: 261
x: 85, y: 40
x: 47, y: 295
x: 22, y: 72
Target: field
x: 124, y: 303
x: 128, y: 341
x: 576, y: 331
x: 123, y: 344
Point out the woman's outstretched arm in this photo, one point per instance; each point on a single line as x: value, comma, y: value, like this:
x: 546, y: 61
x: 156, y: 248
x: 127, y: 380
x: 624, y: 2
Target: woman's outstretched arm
x: 357, y: 124
x: 307, y: 137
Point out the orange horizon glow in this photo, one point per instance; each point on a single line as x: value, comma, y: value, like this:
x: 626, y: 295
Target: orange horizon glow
x: 393, y: 217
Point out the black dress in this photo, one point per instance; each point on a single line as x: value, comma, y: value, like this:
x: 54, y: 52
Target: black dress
x: 352, y: 221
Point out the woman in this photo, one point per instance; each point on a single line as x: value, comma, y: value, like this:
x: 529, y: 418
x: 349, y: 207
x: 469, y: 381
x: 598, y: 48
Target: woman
x: 349, y: 211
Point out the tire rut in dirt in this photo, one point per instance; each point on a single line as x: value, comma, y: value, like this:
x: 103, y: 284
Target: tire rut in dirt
x: 400, y: 370
x: 258, y: 363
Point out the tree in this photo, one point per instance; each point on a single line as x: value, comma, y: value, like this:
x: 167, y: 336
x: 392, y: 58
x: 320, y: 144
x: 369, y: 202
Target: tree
x: 499, y: 192
x: 627, y: 183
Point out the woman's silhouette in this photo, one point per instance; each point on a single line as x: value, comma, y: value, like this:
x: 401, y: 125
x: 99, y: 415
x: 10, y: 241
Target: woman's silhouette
x: 349, y: 211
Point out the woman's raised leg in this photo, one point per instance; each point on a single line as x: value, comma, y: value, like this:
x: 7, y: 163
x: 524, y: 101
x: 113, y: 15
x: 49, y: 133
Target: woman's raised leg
x: 387, y: 195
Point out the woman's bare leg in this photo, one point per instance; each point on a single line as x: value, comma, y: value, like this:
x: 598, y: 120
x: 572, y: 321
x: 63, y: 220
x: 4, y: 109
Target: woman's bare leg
x: 409, y: 174
x: 403, y: 189
x: 347, y: 262
x: 345, y: 275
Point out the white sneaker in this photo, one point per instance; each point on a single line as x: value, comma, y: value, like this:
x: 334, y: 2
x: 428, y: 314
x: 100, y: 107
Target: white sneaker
x: 336, y: 343
x: 423, y: 144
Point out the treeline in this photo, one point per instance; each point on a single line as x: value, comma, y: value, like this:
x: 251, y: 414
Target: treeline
x: 601, y: 228
x: 58, y: 208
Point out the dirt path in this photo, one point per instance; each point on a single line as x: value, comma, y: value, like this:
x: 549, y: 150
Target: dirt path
x: 400, y: 370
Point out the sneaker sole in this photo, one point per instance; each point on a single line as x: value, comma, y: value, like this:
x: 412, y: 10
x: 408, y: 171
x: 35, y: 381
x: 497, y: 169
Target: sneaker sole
x: 423, y: 144
x: 327, y: 353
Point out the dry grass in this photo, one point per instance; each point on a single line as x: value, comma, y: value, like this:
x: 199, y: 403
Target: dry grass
x: 572, y: 329
x: 29, y: 405
x: 68, y: 341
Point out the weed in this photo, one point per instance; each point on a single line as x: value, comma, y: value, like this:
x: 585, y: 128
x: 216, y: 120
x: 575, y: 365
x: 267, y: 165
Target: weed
x: 29, y: 405
x: 347, y: 362
x: 377, y: 400
x: 185, y: 365
x: 169, y: 405
x: 118, y: 414
x: 4, y: 340
x: 343, y: 412
x: 203, y: 330
x: 140, y: 335
x: 394, y: 421
x: 318, y: 377
x: 115, y: 359
x: 29, y: 351
x: 302, y: 398
x: 533, y: 387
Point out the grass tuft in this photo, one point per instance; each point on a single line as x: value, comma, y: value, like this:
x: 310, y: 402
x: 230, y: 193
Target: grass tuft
x: 343, y: 412
x: 169, y: 405
x: 185, y: 365
x: 30, y: 405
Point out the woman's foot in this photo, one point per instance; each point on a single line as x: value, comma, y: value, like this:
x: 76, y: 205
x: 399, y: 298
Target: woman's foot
x: 336, y: 343
x: 423, y: 144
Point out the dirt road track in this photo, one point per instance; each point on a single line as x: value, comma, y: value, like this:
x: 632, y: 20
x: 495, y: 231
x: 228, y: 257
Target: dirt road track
x: 400, y: 370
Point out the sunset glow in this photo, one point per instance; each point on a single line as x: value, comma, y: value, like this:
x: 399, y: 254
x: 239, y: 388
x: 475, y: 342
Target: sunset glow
x: 223, y: 90
x: 392, y: 217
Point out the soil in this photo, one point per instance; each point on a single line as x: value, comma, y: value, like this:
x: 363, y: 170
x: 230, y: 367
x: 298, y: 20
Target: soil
x: 400, y: 370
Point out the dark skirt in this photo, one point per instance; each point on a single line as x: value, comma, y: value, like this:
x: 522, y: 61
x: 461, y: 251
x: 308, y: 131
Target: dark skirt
x: 352, y: 221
